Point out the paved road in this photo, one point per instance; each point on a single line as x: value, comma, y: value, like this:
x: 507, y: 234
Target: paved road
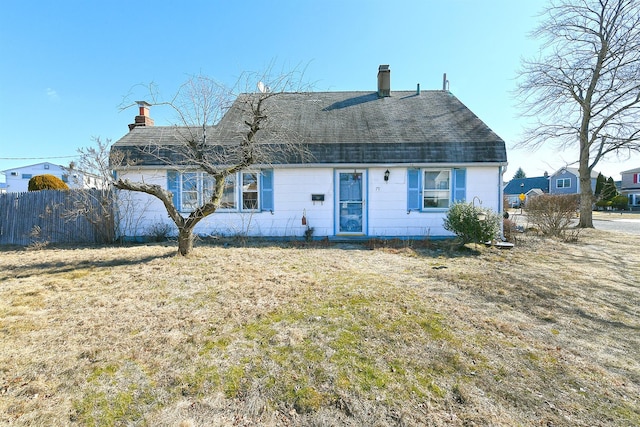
x: 629, y: 226
x: 600, y: 221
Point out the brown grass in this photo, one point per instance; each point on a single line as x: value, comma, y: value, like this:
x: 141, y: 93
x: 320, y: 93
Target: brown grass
x: 545, y: 334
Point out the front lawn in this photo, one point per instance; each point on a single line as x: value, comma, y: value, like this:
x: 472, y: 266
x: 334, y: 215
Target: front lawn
x: 547, y: 333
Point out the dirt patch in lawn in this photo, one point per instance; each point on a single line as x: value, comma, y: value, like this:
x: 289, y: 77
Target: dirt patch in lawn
x: 547, y: 333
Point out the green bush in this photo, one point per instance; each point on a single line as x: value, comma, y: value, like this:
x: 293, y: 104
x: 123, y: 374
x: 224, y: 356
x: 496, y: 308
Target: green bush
x: 603, y: 204
x: 46, y: 182
x: 620, y: 202
x: 472, y: 223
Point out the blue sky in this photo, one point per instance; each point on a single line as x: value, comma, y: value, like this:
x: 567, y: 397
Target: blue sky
x: 68, y: 65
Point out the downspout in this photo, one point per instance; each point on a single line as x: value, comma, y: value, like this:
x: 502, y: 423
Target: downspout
x: 502, y: 170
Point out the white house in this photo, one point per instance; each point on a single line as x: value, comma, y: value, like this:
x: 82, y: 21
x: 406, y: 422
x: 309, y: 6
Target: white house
x: 380, y: 164
x: 17, y: 179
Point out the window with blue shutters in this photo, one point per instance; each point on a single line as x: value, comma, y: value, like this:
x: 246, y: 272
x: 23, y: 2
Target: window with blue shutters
x: 435, y: 189
x: 243, y: 191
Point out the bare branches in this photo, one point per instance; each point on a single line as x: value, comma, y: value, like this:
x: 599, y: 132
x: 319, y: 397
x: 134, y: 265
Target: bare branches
x: 584, y: 89
x: 588, y: 77
x: 219, y: 132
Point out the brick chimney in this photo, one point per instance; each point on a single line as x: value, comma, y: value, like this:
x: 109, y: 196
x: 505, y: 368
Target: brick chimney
x: 384, y: 81
x: 143, y: 118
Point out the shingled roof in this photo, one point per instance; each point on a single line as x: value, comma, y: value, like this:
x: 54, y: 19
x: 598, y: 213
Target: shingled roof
x: 352, y: 128
x: 524, y: 185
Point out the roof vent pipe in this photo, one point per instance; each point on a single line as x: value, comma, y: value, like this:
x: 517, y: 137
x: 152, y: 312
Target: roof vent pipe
x: 445, y: 82
x: 418, y: 89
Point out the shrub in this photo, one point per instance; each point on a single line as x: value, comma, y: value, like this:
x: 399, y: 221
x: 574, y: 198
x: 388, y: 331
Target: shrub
x: 603, y: 204
x: 620, y: 202
x: 510, y: 230
x: 158, y: 232
x: 464, y: 220
x: 552, y: 214
x: 46, y: 182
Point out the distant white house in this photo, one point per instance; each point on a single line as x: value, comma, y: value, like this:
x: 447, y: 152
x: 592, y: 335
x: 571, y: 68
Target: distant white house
x: 17, y: 179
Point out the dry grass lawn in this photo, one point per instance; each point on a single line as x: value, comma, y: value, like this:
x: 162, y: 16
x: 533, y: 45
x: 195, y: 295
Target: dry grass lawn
x: 546, y: 334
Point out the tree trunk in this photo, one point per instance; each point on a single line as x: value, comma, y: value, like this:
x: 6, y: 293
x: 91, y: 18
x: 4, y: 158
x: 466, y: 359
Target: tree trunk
x: 586, y: 201
x: 185, y: 241
x: 586, y: 192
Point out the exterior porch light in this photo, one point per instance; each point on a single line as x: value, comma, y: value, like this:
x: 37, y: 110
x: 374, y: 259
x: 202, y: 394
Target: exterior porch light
x: 386, y: 175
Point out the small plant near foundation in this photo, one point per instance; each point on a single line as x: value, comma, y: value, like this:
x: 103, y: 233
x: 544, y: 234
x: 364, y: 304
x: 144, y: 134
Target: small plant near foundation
x: 472, y: 223
x: 308, y: 234
x: 159, y: 232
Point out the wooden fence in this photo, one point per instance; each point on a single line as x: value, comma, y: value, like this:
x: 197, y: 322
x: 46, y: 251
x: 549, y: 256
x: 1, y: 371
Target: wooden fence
x: 52, y: 216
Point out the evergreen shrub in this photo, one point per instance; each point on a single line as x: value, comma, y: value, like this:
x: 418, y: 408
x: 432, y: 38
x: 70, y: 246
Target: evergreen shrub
x: 472, y: 223
x: 46, y: 182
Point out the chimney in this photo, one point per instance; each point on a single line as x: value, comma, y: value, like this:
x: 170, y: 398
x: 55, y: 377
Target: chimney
x: 143, y: 118
x: 384, y: 81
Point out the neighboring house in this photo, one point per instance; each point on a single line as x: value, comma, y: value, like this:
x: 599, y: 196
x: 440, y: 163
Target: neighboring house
x: 567, y: 181
x: 386, y: 163
x: 630, y: 187
x: 17, y: 179
x: 527, y: 186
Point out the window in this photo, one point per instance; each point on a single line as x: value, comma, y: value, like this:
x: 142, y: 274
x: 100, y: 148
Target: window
x: 189, y: 192
x: 26, y: 176
x: 46, y: 166
x: 636, y: 178
x: 228, y: 200
x: 436, y: 189
x: 429, y: 189
x: 563, y: 183
x: 249, y: 190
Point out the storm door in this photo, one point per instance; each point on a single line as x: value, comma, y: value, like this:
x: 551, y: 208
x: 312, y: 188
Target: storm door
x: 351, y: 202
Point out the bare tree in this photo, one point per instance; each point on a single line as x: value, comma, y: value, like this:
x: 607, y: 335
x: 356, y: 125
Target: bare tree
x: 95, y: 202
x: 219, y: 140
x: 584, y: 88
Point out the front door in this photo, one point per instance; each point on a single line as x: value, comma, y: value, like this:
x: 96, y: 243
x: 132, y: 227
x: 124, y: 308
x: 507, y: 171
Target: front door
x: 351, y: 202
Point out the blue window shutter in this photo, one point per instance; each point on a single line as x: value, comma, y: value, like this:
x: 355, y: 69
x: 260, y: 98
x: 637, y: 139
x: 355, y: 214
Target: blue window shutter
x: 459, y: 185
x: 413, y: 189
x: 173, y: 185
x: 266, y: 194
